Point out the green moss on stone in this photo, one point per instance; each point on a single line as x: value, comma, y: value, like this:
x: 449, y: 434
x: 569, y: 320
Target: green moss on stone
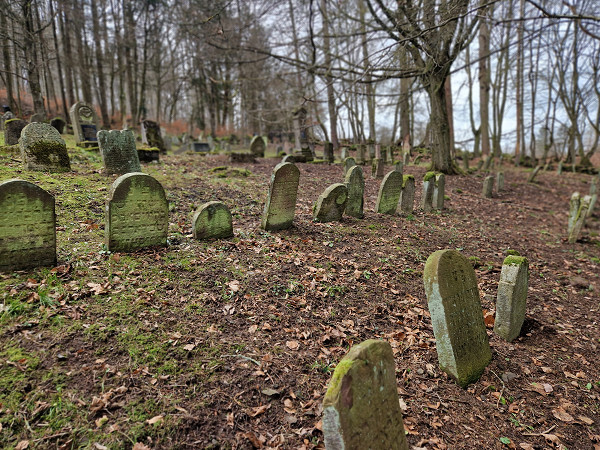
x: 512, y: 252
x: 405, y: 179
x: 513, y: 260
x: 428, y: 176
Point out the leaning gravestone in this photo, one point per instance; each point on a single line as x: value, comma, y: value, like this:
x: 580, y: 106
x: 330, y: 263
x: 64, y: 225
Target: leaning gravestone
x: 533, y: 174
x: 488, y: 163
x: 427, y: 194
x: 212, y: 220
x: 407, y: 196
x: 12, y: 131
x: 281, y: 202
x: 42, y: 149
x: 355, y: 183
x: 361, y: 408
x: 85, y: 123
x: 488, y: 187
x: 137, y: 213
x: 453, y: 300
x: 258, y: 146
x: 59, y: 123
x: 331, y: 203
x: 118, y: 151
x: 438, y: 191
x: 512, y: 297
x: 406, y: 159
x: 389, y: 193
x: 577, y: 215
x: 151, y: 135
x: 27, y: 226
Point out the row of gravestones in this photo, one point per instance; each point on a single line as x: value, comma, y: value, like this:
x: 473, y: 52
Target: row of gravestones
x: 361, y: 407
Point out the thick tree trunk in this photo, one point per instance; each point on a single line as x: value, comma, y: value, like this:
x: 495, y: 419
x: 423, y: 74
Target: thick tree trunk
x: 65, y: 108
x: 8, y: 77
x: 33, y: 73
x: 441, y: 141
x: 100, y: 66
x: 484, y: 83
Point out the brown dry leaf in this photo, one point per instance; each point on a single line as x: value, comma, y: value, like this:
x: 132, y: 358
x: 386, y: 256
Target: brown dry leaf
x: 252, y: 329
x: 257, y: 442
x: 288, y: 406
x: 155, y: 419
x: 258, y: 410
x: 488, y: 318
x: 213, y: 329
x: 140, y: 446
x: 99, y: 446
x: 526, y: 446
x: 230, y: 419
x: 551, y: 438
x: 586, y: 420
x: 189, y: 347
x: 562, y: 415
x: 22, y: 445
x: 234, y: 285
x: 292, y: 345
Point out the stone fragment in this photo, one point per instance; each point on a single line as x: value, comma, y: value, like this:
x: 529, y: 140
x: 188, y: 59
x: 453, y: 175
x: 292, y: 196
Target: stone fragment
x: 118, y: 151
x: 12, y: 131
x: 511, y: 302
x: 361, y: 409
x: 212, y: 220
x: 42, y: 149
x: 427, y: 193
x: 579, y: 208
x: 281, y: 202
x: 356, y: 189
x: 453, y: 300
x: 258, y: 146
x: 331, y: 204
x: 407, y: 196
x: 488, y: 187
x: 389, y: 193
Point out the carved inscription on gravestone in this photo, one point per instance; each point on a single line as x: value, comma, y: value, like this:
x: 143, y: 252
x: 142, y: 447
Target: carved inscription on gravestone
x: 389, y: 193
x: 212, y: 220
x: 118, y: 151
x: 281, y: 202
x: 356, y: 191
x: 27, y: 226
x: 85, y: 122
x: 137, y: 213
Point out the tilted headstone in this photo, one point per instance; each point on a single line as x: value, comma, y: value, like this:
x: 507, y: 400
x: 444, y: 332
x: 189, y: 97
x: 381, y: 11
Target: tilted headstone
x: 331, y: 204
x: 407, y: 196
x: 487, y: 165
x: 488, y: 187
x: 534, y: 174
x: 577, y: 215
x: 559, y: 169
x: 456, y: 316
x: 257, y: 146
x: 500, y: 181
x: 356, y: 190
x: 85, y: 123
x: 328, y: 151
x: 151, y: 135
x: 281, y: 202
x: 348, y: 164
x: 212, y: 220
x: 12, y: 131
x: 137, y: 213
x: 511, y: 302
x: 118, y: 151
x: 59, y: 123
x: 361, y: 409
x: 389, y: 193
x: 439, y: 188
x: 43, y: 149
x: 427, y: 193
x: 27, y: 226
x: 593, y: 194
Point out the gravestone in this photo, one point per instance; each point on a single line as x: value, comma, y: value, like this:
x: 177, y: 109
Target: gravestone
x: 465, y: 161
x: 512, y: 297
x: 302, y: 133
x: 281, y: 202
x: 236, y: 157
x: 289, y: 159
x: 399, y: 167
x: 593, y: 194
x: 406, y: 159
x: 348, y: 164
x: 453, y: 300
x: 118, y: 151
x: 390, y: 155
x: 42, y: 149
x: 389, y: 193
x: 379, y: 168
x: 257, y: 146
x: 12, y: 131
x: 361, y: 409
x: 8, y: 115
x: 427, y: 193
x: 37, y: 118
x: 417, y: 160
x: 355, y: 183
x: 439, y: 191
x: 85, y: 123
x: 201, y: 147
x: 27, y: 226
x: 151, y: 135
x: 59, y: 123
x: 559, y: 169
x: 480, y: 164
x: 137, y: 213
x: 488, y: 187
x: 488, y: 163
x: 499, y: 181
x: 328, y: 151
x: 148, y: 154
x: 533, y: 174
x: 577, y: 215
x: 212, y: 220
x: 343, y: 153
x: 331, y: 204
x: 370, y: 151
x: 407, y: 196
x: 360, y: 154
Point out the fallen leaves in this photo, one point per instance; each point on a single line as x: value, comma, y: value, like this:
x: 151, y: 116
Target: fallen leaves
x: 156, y: 419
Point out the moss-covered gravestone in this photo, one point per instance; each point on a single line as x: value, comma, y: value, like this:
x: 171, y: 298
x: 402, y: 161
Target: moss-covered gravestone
x: 258, y: 146
x: 348, y: 164
x: 118, y: 151
x: 439, y: 187
x: 360, y: 154
x: 85, y: 123
x: 427, y: 193
x: 281, y: 202
x: 488, y: 187
x: 577, y: 215
x: 12, y: 131
x: 389, y: 193
x: 355, y: 183
x: 137, y: 213
x: 331, y: 204
x: 27, y: 226
x: 453, y: 300
x: 43, y: 149
x: 361, y: 408
x: 212, y: 220
x: 407, y: 196
x: 512, y: 297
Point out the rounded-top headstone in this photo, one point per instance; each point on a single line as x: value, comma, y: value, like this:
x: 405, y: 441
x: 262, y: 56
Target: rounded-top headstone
x: 331, y: 204
x: 289, y: 159
x: 389, y: 193
x: 258, y: 146
x: 281, y: 202
x: 212, y: 220
x: 43, y: 149
x: 12, y: 130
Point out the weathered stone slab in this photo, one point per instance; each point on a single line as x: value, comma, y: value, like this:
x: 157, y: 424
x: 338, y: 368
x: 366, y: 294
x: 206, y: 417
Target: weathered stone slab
x: 488, y: 163
x: 406, y: 159
x: 439, y: 188
x: 27, y: 226
x: 258, y: 146
x: 137, y: 213
x: 212, y: 220
x: 579, y: 208
x: 356, y: 190
x: 281, y: 202
x: 343, y: 153
x: 12, y: 131
x: 328, y: 152
x: 237, y: 157
x: 361, y: 408
x: 500, y: 181
x: 360, y: 154
x: 399, y: 167
x: 427, y: 193
x: 42, y: 149
x: 511, y: 301
x: 407, y: 196
x: 389, y: 193
x: 488, y: 187
x: 378, y: 168
x: 348, y: 164
x: 453, y: 300
x: 85, y: 123
x: 331, y: 204
x: 118, y: 151
x: 152, y: 136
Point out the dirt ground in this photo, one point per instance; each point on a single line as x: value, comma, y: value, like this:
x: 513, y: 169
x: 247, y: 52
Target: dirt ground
x: 231, y: 343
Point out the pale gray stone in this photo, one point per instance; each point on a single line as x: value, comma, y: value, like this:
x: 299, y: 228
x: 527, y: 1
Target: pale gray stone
x: 258, y: 146
x: 348, y: 164
x: 356, y: 188
x: 439, y: 188
x: 85, y: 122
x: 427, y: 193
x: 511, y: 302
x: 331, y: 204
x: 500, y: 181
x: 577, y: 215
x: 488, y: 187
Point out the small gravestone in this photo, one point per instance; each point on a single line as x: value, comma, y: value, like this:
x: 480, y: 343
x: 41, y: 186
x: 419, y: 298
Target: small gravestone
x: 488, y: 187
x: 356, y: 189
x: 212, y: 220
x: 487, y: 165
x: 343, y: 153
x: 85, y: 123
x: 289, y: 159
x: 361, y: 409
x: 281, y: 202
x: 348, y: 164
x: 8, y: 115
x: 360, y: 154
x: 406, y: 159
x: 379, y: 167
x: 27, y: 226
x: 236, y: 157
x: 427, y: 194
x: 12, y: 131
x: 512, y: 297
x: 480, y: 164
x: 201, y: 147
x: 59, y: 123
x: 42, y: 149
x: 534, y: 174
x: 417, y: 160
x: 390, y: 155
x: 137, y: 213
x: 151, y: 135
x: 456, y: 316
x: 399, y: 167
x: 331, y: 203
x: 559, y: 170
x: 118, y: 151
x: 389, y: 193
x: 258, y: 146
x: 438, y: 191
x: 593, y: 194
x: 577, y: 215
x: 328, y: 151
x: 148, y: 154
x: 465, y: 161
x: 500, y: 181
x: 407, y: 196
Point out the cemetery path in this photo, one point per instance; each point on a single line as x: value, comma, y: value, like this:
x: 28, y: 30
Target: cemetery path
x: 231, y: 343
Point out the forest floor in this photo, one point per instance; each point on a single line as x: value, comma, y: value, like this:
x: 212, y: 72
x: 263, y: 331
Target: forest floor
x: 231, y: 343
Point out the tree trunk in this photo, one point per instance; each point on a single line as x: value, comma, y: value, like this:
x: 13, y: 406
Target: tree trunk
x: 484, y: 83
x: 99, y: 66
x: 441, y: 140
x: 33, y: 73
x: 8, y: 66
x: 65, y: 108
x: 329, y: 79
